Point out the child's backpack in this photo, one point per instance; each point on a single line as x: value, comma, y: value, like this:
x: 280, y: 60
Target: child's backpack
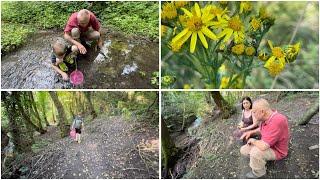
x: 77, y: 123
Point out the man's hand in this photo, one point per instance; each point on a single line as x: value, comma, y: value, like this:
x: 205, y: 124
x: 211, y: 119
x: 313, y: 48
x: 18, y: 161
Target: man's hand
x: 245, y: 136
x: 64, y: 76
x: 82, y: 49
x: 251, y: 141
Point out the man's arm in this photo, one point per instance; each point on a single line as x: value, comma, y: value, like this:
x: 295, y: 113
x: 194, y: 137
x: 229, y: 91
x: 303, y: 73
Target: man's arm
x: 248, y: 134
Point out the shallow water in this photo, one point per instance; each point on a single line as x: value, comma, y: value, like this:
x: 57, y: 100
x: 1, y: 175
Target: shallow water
x: 124, y: 62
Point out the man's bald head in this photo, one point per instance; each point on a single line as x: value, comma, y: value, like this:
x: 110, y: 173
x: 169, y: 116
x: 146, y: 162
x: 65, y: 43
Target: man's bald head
x: 261, y: 109
x: 83, y: 17
x: 261, y: 104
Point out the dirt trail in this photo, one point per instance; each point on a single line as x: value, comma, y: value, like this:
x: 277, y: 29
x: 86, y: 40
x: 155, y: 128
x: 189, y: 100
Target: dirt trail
x: 219, y: 155
x: 109, y: 149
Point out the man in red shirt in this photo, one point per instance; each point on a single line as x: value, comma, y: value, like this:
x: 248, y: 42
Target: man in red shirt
x: 85, y: 26
x: 274, y: 141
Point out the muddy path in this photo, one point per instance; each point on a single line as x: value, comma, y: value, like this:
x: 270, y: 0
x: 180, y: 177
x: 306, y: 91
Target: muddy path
x: 110, y: 148
x: 219, y: 155
x: 124, y: 62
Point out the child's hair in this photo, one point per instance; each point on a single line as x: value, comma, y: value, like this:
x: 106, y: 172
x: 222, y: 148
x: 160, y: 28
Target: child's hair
x: 59, y: 48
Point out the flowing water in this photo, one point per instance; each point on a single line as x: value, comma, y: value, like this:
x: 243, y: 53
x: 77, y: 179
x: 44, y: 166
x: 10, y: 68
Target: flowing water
x: 123, y: 62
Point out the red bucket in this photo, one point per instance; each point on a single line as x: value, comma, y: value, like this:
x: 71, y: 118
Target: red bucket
x: 76, y: 77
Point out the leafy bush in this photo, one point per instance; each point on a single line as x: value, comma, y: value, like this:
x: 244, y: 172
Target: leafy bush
x: 131, y: 17
x: 13, y: 35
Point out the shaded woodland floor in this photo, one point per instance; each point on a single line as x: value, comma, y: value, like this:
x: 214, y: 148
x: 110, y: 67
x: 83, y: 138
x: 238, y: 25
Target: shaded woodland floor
x: 110, y: 148
x: 217, y: 153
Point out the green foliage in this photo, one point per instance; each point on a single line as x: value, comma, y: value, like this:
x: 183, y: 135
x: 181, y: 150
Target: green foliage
x: 39, y: 145
x: 131, y: 17
x: 179, y: 106
x: 43, y: 15
x: 4, y: 117
x: 13, y: 35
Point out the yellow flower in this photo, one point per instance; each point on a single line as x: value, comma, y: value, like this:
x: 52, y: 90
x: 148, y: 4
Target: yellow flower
x: 264, y: 15
x: 167, y: 80
x: 245, y: 6
x: 169, y: 11
x: 263, y: 56
x: 275, y: 67
x: 276, y: 62
x: 250, y: 51
x: 186, y: 86
x: 163, y: 29
x: 175, y: 47
x: 215, y: 11
x: 222, y: 68
x: 183, y: 19
x: 224, y: 82
x: 180, y: 4
x: 238, y: 49
x: 277, y: 52
x: 196, y: 26
x: 232, y: 26
x: 255, y: 24
x: 292, y: 52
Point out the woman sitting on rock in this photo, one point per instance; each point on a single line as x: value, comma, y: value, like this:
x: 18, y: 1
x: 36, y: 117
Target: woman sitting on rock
x: 247, y: 120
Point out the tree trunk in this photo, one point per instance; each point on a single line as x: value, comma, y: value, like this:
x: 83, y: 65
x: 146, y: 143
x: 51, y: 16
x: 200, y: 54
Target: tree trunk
x: 154, y: 102
x: 168, y: 148
x: 12, y: 113
x: 42, y: 96
x: 27, y: 119
x: 309, y: 114
x: 87, y: 95
x: 53, y: 114
x: 61, y: 114
x: 35, y: 109
x: 225, y: 109
x: 30, y: 111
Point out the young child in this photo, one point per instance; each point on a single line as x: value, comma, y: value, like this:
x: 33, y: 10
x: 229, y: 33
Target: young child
x: 78, y: 126
x: 63, y: 57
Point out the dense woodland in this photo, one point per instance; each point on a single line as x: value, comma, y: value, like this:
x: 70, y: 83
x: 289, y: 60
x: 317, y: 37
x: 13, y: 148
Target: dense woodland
x: 27, y: 115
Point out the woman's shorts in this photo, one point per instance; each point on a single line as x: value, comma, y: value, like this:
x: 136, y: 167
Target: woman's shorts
x: 78, y: 130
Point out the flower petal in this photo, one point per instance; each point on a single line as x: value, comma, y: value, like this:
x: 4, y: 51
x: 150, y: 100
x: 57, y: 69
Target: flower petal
x: 188, y: 13
x: 203, y: 39
x: 185, y: 37
x: 229, y: 33
x: 208, y: 33
x: 182, y: 33
x: 197, y: 9
x: 193, y: 42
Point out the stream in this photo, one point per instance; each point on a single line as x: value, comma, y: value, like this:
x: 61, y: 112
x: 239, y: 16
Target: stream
x: 123, y: 63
